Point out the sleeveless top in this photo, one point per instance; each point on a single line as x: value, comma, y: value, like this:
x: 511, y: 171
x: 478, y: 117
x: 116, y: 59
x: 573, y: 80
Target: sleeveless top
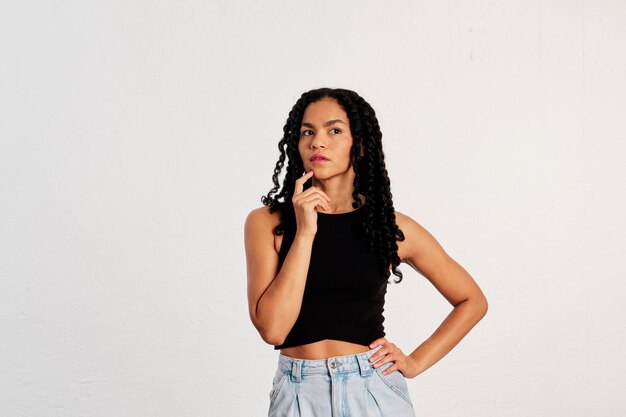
x: 344, y: 295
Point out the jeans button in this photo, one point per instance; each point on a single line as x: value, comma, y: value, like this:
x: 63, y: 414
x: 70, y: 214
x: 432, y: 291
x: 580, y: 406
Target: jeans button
x: 333, y: 365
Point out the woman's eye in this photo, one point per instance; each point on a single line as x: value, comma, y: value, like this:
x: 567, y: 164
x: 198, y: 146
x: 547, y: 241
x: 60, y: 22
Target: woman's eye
x: 304, y: 132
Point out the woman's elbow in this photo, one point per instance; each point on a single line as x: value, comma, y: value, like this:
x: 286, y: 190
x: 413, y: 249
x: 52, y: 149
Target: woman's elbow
x: 482, y: 306
x: 269, y: 336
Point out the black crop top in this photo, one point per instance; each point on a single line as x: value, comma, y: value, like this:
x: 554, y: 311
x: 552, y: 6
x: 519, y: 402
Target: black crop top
x: 344, y: 295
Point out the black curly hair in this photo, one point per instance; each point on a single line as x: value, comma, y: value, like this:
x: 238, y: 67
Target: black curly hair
x: 371, y: 179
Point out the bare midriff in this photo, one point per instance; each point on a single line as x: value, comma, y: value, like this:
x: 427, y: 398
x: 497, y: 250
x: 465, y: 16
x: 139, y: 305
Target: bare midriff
x: 324, y: 349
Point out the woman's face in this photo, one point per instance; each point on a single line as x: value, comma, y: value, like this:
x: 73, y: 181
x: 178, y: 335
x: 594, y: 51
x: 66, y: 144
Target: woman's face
x: 325, y: 130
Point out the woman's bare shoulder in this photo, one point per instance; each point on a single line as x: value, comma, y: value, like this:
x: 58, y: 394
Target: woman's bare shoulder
x: 410, y: 226
x: 259, y: 228
x: 402, y: 219
x: 411, y: 230
x: 261, y: 217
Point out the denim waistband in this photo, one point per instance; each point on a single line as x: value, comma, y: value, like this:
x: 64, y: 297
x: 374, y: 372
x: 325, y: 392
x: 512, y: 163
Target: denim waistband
x: 333, y: 365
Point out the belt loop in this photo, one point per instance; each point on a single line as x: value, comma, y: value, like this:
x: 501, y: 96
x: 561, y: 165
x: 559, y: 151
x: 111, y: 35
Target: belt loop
x: 296, y: 368
x: 364, y: 364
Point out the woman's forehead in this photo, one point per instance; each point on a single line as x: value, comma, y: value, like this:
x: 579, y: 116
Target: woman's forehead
x: 324, y: 113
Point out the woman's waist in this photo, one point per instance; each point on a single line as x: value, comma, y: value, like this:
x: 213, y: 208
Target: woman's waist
x: 324, y: 349
x: 329, y: 363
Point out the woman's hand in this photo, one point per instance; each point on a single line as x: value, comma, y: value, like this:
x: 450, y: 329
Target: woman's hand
x: 304, y: 204
x: 389, y: 352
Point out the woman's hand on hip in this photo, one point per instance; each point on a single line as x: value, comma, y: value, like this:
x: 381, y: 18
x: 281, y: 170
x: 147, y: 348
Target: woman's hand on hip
x: 389, y: 352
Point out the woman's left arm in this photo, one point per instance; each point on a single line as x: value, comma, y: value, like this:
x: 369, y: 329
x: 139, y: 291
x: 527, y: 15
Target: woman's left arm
x: 422, y: 252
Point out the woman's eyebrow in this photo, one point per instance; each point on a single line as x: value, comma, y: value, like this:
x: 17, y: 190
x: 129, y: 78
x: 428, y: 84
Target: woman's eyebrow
x: 328, y: 123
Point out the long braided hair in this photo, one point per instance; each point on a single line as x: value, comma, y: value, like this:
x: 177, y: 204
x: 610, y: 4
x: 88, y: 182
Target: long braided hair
x: 371, y: 180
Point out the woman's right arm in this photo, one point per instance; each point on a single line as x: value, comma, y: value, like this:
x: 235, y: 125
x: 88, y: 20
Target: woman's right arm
x: 274, y: 300
x: 275, y: 297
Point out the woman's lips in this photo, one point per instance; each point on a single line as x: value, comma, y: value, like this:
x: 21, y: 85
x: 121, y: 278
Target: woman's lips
x: 318, y: 158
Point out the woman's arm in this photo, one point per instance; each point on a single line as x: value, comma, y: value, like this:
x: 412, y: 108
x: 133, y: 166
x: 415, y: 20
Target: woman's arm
x: 274, y: 299
x: 422, y: 252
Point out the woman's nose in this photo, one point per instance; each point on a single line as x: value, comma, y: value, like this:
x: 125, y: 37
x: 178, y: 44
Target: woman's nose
x: 318, y: 140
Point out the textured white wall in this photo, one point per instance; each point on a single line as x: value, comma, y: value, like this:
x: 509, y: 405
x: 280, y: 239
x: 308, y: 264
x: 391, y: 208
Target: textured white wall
x: 136, y: 136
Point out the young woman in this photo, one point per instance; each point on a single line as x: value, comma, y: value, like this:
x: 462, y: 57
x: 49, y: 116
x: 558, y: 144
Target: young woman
x: 318, y: 266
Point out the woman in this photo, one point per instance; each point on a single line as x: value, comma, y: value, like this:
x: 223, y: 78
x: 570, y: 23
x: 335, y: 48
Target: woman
x: 318, y: 266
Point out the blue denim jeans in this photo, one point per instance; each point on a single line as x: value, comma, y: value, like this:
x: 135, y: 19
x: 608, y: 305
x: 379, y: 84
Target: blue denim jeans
x: 340, y: 386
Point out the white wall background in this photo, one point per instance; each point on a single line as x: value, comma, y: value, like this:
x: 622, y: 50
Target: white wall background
x: 135, y: 137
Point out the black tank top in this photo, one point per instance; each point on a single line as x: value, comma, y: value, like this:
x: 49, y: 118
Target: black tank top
x: 345, y: 290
